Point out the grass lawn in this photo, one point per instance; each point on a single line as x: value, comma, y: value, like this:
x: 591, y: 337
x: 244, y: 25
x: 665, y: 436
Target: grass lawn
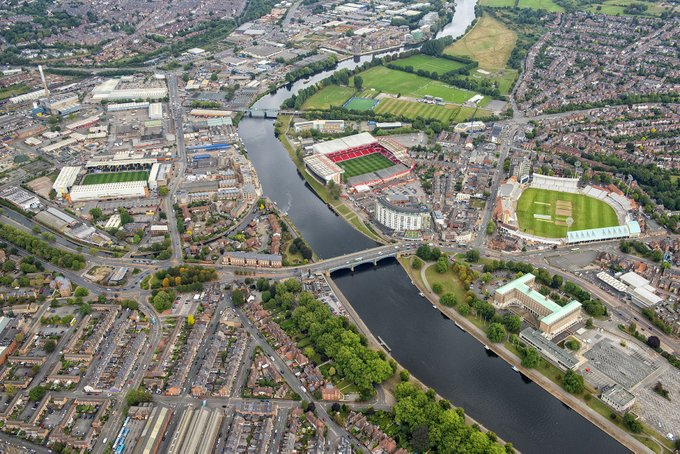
x: 547, y: 5
x: 428, y: 63
x: 554, y: 207
x: 331, y: 95
x: 115, y: 177
x: 616, y: 7
x: 399, y: 82
x: 365, y: 164
x: 498, y: 3
x: 448, y: 280
x: 413, y: 110
x: 360, y: 104
x: 489, y: 42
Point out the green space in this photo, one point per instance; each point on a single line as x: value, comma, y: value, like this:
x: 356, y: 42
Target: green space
x: 399, y: 82
x: 498, y: 3
x: 554, y: 208
x: 429, y: 63
x: 449, y: 281
x: 547, y: 5
x: 414, y: 109
x: 365, y: 164
x: 360, y: 104
x: 13, y: 90
x: 489, y: 43
x: 330, y: 95
x: 115, y: 177
x: 617, y: 8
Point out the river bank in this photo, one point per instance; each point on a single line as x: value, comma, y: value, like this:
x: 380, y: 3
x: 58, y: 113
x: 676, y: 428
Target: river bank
x: 544, y: 382
x: 374, y: 343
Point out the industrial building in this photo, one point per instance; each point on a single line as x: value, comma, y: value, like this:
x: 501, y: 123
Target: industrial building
x: 552, y: 319
x: 401, y: 218
x: 641, y: 292
x: 196, y: 431
x: 21, y: 198
x: 124, y: 190
x: 129, y: 88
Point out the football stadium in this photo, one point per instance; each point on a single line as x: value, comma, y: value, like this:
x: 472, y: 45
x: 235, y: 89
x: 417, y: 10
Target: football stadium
x: 556, y: 210
x: 360, y: 161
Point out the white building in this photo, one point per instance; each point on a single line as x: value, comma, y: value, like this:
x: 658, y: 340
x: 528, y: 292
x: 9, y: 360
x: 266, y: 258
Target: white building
x: 320, y: 125
x: 642, y: 293
x: 65, y: 180
x: 125, y: 190
x: 401, y: 218
x: 156, y: 111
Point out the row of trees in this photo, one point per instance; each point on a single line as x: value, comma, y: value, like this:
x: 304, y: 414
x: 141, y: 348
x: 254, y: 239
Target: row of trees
x: 312, y: 69
x: 334, y: 338
x: 41, y: 249
x: 299, y: 245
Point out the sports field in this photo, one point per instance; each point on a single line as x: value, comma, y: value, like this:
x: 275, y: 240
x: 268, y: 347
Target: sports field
x: 413, y: 110
x: 331, y: 95
x: 360, y: 104
x: 115, y: 177
x: 395, y: 82
x: 428, y: 63
x: 365, y: 164
x: 547, y: 213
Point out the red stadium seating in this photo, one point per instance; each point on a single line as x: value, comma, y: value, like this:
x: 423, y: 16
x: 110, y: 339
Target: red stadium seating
x: 353, y: 153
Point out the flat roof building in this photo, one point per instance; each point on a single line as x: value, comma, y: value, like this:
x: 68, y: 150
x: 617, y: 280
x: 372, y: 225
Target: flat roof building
x: 552, y: 318
x: 630, y: 229
x: 155, y: 111
x: 618, y: 398
x: 559, y: 357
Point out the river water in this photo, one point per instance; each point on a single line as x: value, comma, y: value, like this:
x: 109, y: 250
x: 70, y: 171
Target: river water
x: 422, y: 340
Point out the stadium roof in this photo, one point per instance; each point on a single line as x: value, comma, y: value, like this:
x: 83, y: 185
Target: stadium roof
x: 344, y: 143
x: 67, y: 176
x: 631, y: 228
x: 323, y: 166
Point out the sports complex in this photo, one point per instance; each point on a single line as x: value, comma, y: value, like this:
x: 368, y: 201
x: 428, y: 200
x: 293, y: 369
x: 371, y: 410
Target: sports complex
x: 360, y: 160
x: 556, y: 210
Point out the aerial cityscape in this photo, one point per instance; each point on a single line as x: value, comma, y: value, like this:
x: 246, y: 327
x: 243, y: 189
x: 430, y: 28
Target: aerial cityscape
x: 339, y: 226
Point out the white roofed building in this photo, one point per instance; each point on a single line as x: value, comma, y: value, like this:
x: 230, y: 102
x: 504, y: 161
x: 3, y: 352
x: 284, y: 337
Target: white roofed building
x: 65, y: 180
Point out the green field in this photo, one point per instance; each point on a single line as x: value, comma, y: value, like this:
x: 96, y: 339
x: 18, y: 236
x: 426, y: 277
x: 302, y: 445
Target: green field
x: 616, y: 7
x: 556, y: 207
x: 115, y: 177
x: 399, y: 82
x: 489, y: 43
x: 547, y: 5
x: 365, y: 164
x: 428, y: 63
x: 331, y: 95
x: 498, y: 3
x: 360, y: 104
x: 413, y: 110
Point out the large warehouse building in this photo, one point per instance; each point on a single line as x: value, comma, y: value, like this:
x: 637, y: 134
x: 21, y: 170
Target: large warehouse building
x: 360, y: 160
x: 552, y: 318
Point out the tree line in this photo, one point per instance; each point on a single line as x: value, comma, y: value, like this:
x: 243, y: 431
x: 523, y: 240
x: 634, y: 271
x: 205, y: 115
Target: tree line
x: 41, y: 249
x: 332, y: 337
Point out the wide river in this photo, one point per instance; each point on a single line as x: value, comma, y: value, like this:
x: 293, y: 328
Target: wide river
x: 422, y: 340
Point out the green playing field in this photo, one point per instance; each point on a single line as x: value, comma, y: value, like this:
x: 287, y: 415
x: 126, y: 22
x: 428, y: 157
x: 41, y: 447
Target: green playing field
x: 365, y: 164
x: 546, y: 213
x: 115, y: 177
